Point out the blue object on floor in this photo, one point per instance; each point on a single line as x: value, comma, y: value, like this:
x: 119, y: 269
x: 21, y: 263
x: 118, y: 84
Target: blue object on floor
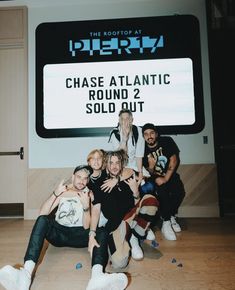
x: 79, y: 266
x: 154, y: 244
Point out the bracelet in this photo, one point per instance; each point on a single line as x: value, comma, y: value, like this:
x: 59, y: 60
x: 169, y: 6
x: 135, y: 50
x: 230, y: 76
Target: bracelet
x: 92, y: 233
x: 55, y: 194
x: 135, y: 197
x: 86, y: 209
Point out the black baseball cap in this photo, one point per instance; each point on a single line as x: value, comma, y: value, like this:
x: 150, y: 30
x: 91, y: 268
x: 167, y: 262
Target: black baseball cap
x: 149, y: 126
x: 83, y: 166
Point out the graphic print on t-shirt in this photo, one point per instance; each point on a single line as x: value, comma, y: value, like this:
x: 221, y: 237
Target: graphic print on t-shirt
x: 69, y: 212
x: 161, y: 161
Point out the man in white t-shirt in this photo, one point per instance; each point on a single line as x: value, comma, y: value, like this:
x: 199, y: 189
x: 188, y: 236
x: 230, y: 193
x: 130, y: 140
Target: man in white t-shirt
x: 69, y: 228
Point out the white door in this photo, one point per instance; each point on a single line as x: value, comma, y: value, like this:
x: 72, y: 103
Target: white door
x: 13, y: 117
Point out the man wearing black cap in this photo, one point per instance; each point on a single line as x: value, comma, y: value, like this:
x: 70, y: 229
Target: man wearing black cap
x: 161, y: 159
x: 69, y: 228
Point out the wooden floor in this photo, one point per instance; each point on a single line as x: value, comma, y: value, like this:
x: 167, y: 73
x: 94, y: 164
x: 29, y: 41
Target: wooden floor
x: 204, y: 257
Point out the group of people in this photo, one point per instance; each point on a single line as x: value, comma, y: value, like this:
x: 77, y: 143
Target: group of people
x: 156, y: 159
x: 109, y: 206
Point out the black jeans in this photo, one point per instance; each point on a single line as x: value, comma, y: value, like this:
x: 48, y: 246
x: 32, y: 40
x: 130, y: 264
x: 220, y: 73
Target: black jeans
x: 170, y: 196
x: 100, y: 255
x: 56, y: 234
x: 61, y: 236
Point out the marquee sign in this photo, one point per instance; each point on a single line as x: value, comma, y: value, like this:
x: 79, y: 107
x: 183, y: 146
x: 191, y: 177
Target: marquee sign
x: 87, y: 71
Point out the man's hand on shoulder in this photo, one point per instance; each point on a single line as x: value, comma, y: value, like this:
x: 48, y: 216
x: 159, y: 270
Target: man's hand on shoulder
x: 127, y: 173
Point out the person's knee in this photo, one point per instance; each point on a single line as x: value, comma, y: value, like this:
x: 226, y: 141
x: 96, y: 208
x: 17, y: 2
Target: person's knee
x: 150, y: 204
x: 148, y: 188
x: 41, y: 223
x: 42, y: 219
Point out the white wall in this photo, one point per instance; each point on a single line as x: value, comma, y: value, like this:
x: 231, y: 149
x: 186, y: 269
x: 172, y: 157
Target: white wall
x: 68, y: 152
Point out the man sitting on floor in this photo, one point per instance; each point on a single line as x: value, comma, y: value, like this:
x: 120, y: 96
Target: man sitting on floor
x: 69, y: 228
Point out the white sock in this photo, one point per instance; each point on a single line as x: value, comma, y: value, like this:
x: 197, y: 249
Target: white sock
x: 29, y: 266
x: 96, y: 270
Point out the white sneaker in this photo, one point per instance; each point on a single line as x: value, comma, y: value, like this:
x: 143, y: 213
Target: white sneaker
x: 114, y: 281
x: 150, y: 235
x: 14, y: 279
x: 167, y: 231
x: 136, y: 251
x: 176, y: 227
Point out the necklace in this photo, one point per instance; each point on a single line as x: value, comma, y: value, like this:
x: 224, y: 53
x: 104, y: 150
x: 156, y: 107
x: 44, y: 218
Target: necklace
x: 94, y: 178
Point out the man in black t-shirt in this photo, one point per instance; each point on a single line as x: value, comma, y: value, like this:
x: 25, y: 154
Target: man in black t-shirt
x: 127, y: 215
x: 161, y: 159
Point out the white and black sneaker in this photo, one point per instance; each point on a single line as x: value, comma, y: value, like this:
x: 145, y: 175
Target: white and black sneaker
x: 167, y: 231
x: 136, y: 251
x: 176, y: 227
x: 150, y: 235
